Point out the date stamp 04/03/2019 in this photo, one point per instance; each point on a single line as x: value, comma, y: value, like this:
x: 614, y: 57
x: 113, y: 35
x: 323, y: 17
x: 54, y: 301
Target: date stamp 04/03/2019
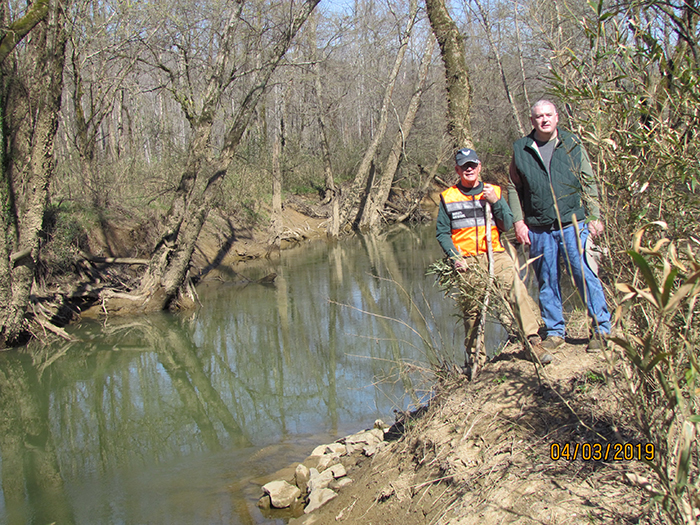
x: 602, y: 451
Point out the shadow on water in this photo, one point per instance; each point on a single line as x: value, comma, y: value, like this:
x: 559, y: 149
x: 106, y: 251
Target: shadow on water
x: 178, y: 419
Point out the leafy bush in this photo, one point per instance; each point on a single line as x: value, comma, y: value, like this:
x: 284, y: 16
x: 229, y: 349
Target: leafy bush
x: 660, y: 338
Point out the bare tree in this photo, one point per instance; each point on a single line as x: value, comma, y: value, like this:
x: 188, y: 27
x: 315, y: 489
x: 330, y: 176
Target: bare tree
x: 317, y: 89
x: 277, y: 171
x: 101, y: 61
x: 166, y: 283
x: 352, y: 204
x: 483, y: 17
x: 521, y: 62
x: 379, y: 194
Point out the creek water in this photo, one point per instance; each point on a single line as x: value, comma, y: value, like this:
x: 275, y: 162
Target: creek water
x: 179, y: 419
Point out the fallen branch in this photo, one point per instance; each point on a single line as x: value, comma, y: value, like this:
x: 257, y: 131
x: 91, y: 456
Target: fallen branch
x: 15, y: 258
x: 114, y: 260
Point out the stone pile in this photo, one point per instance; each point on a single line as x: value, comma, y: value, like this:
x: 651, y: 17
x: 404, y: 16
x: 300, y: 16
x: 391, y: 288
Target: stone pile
x: 318, y: 478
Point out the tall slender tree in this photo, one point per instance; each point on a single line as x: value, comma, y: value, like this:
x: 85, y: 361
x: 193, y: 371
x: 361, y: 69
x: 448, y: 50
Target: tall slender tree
x: 481, y: 13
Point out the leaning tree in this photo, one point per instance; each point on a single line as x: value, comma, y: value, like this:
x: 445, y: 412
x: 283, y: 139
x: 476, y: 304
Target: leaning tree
x: 237, y: 62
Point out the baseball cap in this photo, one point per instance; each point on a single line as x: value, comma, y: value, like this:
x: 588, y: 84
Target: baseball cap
x: 465, y: 155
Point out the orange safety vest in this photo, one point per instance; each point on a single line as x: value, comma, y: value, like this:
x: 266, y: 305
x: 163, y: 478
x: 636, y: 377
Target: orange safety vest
x: 468, y: 221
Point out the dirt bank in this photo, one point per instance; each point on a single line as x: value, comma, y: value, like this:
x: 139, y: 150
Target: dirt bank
x: 482, y: 453
x: 224, y: 241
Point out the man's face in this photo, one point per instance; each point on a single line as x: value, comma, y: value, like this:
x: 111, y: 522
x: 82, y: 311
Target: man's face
x: 545, y: 119
x: 469, y: 174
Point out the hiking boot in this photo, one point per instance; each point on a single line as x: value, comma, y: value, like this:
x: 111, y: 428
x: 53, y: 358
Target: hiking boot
x: 537, y: 349
x: 596, y: 343
x: 553, y: 342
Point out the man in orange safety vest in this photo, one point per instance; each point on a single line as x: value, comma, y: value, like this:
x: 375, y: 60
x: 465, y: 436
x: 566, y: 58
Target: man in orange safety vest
x: 462, y: 234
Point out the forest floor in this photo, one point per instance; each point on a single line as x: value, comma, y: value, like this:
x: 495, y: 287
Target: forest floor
x: 481, y: 452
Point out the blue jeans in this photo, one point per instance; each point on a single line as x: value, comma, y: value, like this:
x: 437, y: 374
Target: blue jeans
x: 551, y: 245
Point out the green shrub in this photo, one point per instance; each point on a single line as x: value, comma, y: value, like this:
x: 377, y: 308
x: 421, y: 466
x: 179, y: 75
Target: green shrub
x: 631, y: 92
x: 660, y: 337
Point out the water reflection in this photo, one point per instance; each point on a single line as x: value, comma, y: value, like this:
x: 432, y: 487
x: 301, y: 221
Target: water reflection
x: 167, y: 419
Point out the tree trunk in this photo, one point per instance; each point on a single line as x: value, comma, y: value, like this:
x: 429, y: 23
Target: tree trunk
x: 371, y: 215
x: 31, y: 100
x: 277, y: 141
x: 352, y: 204
x: 317, y: 93
x: 452, y: 50
x: 331, y: 195
x: 523, y: 76
x: 484, y: 19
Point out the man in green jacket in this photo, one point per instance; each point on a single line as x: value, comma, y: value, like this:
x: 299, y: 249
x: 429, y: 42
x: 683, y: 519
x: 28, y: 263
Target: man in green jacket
x: 551, y: 181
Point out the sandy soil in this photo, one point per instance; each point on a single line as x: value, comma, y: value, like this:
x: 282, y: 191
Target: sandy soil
x: 223, y: 243
x: 481, y: 452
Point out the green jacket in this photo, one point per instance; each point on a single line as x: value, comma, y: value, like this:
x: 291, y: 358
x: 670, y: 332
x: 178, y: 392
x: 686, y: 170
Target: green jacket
x: 532, y: 191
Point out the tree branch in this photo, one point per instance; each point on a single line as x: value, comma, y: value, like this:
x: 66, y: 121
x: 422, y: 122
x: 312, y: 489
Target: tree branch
x: 17, y: 31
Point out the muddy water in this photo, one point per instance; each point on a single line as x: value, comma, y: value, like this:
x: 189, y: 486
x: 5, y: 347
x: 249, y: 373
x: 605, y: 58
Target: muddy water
x: 178, y: 419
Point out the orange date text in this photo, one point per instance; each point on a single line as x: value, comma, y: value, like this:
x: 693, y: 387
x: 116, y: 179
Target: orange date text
x: 602, y: 451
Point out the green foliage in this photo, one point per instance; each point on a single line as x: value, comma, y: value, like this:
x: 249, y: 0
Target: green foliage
x: 466, y: 292
x: 586, y: 382
x: 122, y: 187
x: 303, y: 174
x: 593, y: 377
x: 245, y: 188
x: 633, y: 97
x: 660, y: 339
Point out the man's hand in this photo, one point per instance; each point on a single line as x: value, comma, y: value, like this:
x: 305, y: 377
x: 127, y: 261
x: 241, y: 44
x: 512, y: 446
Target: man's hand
x: 522, y: 232
x: 595, y: 228
x: 490, y: 194
x: 460, y: 264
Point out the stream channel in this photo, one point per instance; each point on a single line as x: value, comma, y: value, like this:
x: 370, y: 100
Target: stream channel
x: 179, y: 419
